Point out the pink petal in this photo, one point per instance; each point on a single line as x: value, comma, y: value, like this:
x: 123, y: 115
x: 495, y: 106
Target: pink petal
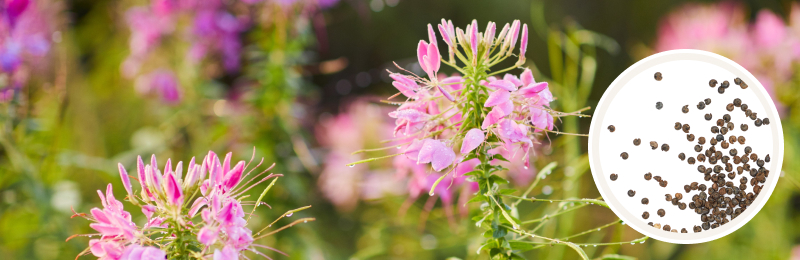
x: 442, y: 157
x: 513, y: 79
x: 412, y: 115
x: 523, y: 45
x: 502, y: 84
x: 412, y: 152
x: 431, y: 35
x: 445, y: 36
x: 533, y: 89
x: 434, y: 58
x: 493, y: 117
x: 207, y: 235
x: 506, y: 107
x: 446, y: 95
x: 126, y: 180
x: 226, y: 165
x: 472, y: 140
x: 427, y: 151
x: 422, y: 51
x: 497, y: 97
x: 527, y: 77
x: 173, y: 190
x: 454, y: 82
x: 234, y: 176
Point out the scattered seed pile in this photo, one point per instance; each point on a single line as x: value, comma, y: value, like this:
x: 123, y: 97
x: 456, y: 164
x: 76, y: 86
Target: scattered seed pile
x: 733, y: 174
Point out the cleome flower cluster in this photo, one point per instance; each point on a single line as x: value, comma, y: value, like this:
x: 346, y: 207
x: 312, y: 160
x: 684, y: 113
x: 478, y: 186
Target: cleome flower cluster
x: 196, y: 215
x: 476, y: 108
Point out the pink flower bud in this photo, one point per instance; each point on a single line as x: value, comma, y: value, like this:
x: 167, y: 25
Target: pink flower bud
x: 173, y: 190
x: 523, y: 45
x: 126, y: 180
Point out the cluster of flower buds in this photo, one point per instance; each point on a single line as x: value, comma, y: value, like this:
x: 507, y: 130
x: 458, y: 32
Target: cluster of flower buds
x: 171, y: 202
x: 475, y: 109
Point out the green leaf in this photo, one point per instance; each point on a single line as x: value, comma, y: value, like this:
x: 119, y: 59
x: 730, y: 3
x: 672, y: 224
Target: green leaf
x: 497, y: 179
x: 577, y: 249
x: 500, y: 157
x: 475, y: 173
x: 520, y: 246
x: 506, y: 191
x: 478, y: 198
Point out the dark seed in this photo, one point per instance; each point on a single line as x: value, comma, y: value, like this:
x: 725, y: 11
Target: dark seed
x: 723, y: 130
x: 729, y: 107
x: 687, y: 188
x: 743, y: 85
x: 760, y: 163
x: 658, y: 76
x: 678, y: 126
x: 683, y: 230
x: 753, y: 116
x: 645, y: 215
x: 712, y: 83
x: 685, y: 109
x: 701, y: 105
x: 727, y: 118
x: 667, y: 228
x: 701, y: 158
x: 648, y: 176
x: 737, y: 102
x: 720, y: 138
x: 732, y: 139
x: 653, y: 145
x: 748, y: 149
x: 681, y: 156
x: 659, y: 105
x: 631, y: 193
x: 657, y: 178
x: 645, y: 201
x: 663, y: 183
x: 665, y: 147
x: 690, y: 137
x: 737, y: 81
x: 766, y: 158
x: 637, y: 141
x: 714, y: 129
x: 765, y: 121
x: 725, y: 84
x: 748, y: 113
x: 611, y: 128
x: 702, y: 187
x: 733, y: 152
x: 661, y: 213
x: 708, y: 117
x: 706, y: 226
x: 721, y: 90
x: 720, y: 122
x: 614, y: 176
x: 701, y: 140
x: 757, y: 122
x: 698, y: 148
x: 686, y: 128
x: 697, y: 229
x: 744, y: 107
x: 743, y: 127
x: 690, y: 160
x: 624, y: 155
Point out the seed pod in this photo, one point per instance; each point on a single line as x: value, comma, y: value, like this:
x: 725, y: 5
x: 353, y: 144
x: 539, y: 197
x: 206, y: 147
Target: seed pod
x: 653, y: 145
x: 707, y: 100
x: 757, y: 122
x: 741, y: 139
x: 659, y: 105
x: 726, y: 117
x: 712, y: 83
x: 765, y: 121
x: 681, y: 156
x: 658, y: 76
x: 701, y: 140
x: 686, y: 128
x: 631, y: 193
x: 648, y: 176
x: 611, y: 128
x: 766, y: 158
x: 729, y: 107
x: 685, y: 109
x: 678, y: 125
x: 645, y: 201
x: 690, y: 137
x: 725, y: 84
x: 624, y: 155
x: 708, y: 117
x: 637, y: 141
x: 690, y: 160
x: 701, y: 105
x: 661, y: 213
x: 614, y: 176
